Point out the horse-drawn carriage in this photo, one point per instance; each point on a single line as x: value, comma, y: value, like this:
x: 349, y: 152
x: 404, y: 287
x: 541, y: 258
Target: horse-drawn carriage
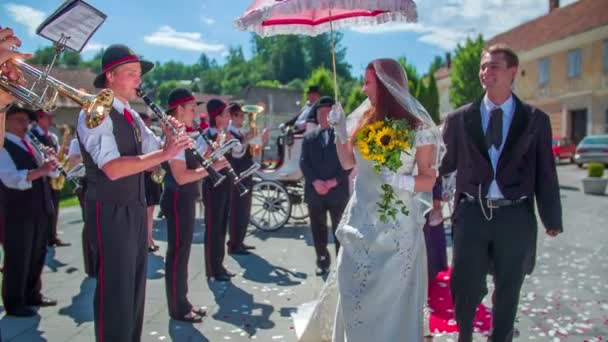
x: 278, y: 189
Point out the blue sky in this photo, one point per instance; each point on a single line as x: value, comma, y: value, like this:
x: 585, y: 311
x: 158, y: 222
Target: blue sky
x: 182, y: 29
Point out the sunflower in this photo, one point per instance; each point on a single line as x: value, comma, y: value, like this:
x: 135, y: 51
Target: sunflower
x: 385, y: 138
x: 363, y: 148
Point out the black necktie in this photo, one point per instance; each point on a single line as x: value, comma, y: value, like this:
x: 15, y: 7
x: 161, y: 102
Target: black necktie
x: 494, y: 131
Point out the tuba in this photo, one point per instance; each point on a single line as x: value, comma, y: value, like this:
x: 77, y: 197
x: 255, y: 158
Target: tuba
x: 41, y: 92
x: 58, y: 183
x: 252, y: 113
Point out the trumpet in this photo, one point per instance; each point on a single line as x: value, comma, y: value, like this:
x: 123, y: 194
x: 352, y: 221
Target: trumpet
x: 207, y: 164
x: 43, y: 91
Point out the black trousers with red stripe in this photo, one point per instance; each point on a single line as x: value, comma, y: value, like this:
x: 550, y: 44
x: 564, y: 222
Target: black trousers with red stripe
x: 240, y: 211
x: 89, y: 259
x: 25, y: 239
x: 217, y: 207
x: 180, y: 211
x: 52, y: 233
x: 119, y: 240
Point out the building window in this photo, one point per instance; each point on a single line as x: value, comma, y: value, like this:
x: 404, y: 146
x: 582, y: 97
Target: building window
x: 574, y: 63
x: 606, y: 56
x: 543, y: 71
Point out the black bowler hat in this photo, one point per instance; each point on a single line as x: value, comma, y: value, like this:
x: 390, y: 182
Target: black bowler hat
x: 180, y: 96
x: 234, y: 107
x: 17, y: 107
x: 114, y: 56
x: 324, y: 101
x: 313, y: 89
x: 215, y: 107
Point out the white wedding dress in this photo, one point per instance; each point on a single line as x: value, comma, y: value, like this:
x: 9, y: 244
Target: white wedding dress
x: 378, y: 291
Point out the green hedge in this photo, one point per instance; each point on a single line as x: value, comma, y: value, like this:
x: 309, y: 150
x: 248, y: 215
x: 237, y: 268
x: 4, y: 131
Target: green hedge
x: 596, y: 170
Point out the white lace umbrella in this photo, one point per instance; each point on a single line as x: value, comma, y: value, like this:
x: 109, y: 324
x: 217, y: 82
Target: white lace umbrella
x: 313, y: 17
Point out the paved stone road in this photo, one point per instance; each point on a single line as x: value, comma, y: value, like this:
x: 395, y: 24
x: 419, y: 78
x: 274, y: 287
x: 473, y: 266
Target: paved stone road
x: 566, y: 299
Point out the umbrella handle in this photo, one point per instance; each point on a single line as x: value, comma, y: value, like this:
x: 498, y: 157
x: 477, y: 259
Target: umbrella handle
x: 333, y: 56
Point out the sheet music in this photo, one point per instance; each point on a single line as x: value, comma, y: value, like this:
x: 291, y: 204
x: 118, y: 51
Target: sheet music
x: 75, y: 20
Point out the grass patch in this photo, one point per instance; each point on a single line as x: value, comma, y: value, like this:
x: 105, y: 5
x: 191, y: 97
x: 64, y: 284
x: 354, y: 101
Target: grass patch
x: 71, y: 201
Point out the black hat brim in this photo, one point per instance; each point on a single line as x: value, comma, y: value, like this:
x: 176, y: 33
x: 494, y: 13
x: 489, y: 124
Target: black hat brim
x: 18, y: 108
x: 100, y: 80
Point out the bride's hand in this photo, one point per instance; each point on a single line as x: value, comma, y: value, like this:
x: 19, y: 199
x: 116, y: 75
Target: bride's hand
x: 337, y: 119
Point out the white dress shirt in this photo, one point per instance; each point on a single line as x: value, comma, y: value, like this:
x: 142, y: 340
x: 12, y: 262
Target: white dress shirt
x: 508, y: 109
x: 74, y: 148
x: 10, y: 176
x: 100, y: 142
x: 303, y: 117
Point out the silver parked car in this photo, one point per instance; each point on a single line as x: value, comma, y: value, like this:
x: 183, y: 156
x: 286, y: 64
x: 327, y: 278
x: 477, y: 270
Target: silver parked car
x: 593, y: 148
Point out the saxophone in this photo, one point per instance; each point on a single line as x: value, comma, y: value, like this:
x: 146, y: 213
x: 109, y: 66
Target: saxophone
x: 58, y: 183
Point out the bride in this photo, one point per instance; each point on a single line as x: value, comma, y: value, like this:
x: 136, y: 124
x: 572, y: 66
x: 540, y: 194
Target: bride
x: 378, y: 291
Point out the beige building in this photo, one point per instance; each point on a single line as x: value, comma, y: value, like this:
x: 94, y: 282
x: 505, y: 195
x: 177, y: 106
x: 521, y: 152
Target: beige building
x: 564, y: 66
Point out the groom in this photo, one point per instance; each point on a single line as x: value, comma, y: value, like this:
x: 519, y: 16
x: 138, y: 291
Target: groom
x: 326, y: 182
x: 501, y: 148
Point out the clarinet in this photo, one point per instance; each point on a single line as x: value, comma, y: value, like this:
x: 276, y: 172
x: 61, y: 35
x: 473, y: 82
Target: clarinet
x: 41, y: 149
x: 215, y: 177
x: 236, y: 180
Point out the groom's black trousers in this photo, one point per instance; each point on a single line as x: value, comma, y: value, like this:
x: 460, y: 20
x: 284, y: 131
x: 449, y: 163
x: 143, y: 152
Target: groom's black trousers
x: 317, y: 211
x: 508, y: 241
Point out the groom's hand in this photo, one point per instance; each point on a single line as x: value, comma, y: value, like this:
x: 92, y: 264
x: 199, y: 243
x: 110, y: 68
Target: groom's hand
x: 320, y: 187
x: 553, y: 232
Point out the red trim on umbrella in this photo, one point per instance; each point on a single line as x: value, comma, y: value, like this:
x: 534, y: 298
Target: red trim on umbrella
x: 310, y: 22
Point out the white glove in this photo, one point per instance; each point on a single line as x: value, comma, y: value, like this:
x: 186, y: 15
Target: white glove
x: 337, y: 119
x: 402, y: 182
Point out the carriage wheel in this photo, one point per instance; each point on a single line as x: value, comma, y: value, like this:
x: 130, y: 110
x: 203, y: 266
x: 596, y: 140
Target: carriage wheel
x: 270, y: 206
x: 299, y: 209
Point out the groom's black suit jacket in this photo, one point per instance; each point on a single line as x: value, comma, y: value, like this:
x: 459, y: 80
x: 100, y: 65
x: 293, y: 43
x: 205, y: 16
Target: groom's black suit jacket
x: 320, y: 161
x: 526, y: 166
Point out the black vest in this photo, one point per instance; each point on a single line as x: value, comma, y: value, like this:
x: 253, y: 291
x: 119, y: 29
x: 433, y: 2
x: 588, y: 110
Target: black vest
x: 46, y: 140
x: 32, y: 201
x: 126, y: 190
x: 190, y: 190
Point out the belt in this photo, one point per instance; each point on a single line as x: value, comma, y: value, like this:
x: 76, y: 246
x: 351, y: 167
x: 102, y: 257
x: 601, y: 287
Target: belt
x: 494, y: 203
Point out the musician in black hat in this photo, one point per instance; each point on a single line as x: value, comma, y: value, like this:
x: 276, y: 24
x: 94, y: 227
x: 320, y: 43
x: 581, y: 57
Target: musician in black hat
x: 182, y: 188
x: 301, y: 122
x: 42, y: 131
x: 326, y: 182
x: 115, y: 152
x: 28, y: 209
x: 242, y: 160
x: 217, y: 199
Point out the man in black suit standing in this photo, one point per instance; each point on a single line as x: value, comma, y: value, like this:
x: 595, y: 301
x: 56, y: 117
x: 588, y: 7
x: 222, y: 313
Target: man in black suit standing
x: 326, y: 183
x: 501, y: 148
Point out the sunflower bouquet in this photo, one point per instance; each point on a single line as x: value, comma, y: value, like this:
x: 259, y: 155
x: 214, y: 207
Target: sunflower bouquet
x: 383, y: 142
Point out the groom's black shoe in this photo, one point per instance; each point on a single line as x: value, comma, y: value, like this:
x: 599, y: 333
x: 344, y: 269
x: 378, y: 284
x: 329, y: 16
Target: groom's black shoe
x: 323, y: 265
x: 322, y: 271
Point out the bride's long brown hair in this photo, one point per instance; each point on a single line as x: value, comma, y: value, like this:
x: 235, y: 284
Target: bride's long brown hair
x: 386, y: 106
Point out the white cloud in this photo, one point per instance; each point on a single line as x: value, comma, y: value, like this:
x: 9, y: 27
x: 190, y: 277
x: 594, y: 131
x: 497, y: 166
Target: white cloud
x: 445, y: 23
x: 191, y: 41
x: 94, y: 47
x: 25, y: 15
x: 208, y: 21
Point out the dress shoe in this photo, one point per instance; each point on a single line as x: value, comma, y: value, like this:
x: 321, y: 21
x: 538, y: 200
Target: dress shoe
x: 228, y: 273
x: 59, y: 243
x: 153, y: 248
x: 248, y: 246
x: 21, y: 312
x: 322, y: 271
x: 190, y: 317
x: 42, y: 301
x: 199, y: 311
x: 238, y: 251
x: 220, y: 277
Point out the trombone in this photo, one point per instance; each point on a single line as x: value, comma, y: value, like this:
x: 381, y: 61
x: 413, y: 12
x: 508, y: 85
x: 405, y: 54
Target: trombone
x: 43, y: 90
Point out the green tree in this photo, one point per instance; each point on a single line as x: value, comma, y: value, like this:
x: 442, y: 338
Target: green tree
x: 413, y: 77
x: 437, y: 63
x: 71, y: 59
x: 319, y: 49
x: 432, y: 98
x: 269, y: 83
x: 322, y: 78
x: 465, y: 86
x: 356, y: 97
x: 163, y: 91
x: 43, y: 56
x: 296, y: 84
